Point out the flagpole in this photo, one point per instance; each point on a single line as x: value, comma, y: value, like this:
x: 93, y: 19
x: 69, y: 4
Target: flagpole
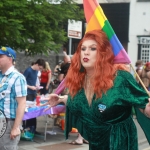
x: 140, y: 80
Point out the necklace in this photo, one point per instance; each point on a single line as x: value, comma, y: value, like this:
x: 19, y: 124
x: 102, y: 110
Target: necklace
x: 3, y: 80
x: 88, y: 89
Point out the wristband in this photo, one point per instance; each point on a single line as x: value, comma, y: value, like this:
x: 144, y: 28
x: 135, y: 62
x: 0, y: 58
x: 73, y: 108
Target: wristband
x: 61, y: 97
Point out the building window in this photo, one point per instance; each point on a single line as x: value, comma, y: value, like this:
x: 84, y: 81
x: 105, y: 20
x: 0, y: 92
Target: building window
x: 144, y: 48
x: 145, y: 52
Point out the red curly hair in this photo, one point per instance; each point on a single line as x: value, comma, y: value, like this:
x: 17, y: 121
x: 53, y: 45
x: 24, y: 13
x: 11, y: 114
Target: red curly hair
x: 105, y: 69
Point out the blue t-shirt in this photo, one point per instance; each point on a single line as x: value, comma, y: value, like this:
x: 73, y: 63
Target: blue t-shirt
x: 31, y: 76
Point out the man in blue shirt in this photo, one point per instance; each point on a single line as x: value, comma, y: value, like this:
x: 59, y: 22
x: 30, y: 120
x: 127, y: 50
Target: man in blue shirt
x: 13, y: 91
x: 31, y: 77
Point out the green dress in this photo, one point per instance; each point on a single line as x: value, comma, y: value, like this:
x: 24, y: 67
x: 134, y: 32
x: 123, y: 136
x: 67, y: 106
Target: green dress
x: 107, y: 123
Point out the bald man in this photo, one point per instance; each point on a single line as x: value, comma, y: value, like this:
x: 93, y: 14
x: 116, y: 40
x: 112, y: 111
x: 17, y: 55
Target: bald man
x: 145, y: 75
x: 64, y: 67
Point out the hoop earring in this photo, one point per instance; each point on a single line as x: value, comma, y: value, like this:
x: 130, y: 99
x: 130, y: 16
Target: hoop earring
x: 81, y: 69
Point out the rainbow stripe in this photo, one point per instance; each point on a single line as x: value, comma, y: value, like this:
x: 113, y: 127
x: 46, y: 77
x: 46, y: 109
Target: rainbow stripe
x: 96, y: 19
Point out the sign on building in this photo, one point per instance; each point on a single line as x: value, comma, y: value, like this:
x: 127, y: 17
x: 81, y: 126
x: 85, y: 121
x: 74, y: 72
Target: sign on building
x: 144, y: 40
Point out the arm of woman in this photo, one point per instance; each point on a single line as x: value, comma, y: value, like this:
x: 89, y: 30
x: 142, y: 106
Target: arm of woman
x: 49, y: 80
x: 54, y: 100
x: 146, y: 111
x: 63, y: 99
x: 135, y: 94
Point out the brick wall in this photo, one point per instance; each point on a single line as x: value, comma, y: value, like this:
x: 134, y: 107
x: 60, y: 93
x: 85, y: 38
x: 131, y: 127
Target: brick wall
x: 23, y: 61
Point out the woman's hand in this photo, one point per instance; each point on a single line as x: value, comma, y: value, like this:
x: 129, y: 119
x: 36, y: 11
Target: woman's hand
x: 47, y: 87
x: 147, y: 109
x: 53, y: 100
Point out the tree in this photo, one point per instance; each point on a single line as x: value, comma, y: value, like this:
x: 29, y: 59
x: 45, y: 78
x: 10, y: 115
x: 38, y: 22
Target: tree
x: 36, y: 25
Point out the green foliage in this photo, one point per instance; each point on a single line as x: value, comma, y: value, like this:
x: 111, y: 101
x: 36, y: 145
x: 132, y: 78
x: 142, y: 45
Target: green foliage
x: 36, y: 25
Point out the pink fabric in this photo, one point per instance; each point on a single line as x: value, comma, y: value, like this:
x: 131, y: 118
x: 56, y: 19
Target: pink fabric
x: 61, y: 87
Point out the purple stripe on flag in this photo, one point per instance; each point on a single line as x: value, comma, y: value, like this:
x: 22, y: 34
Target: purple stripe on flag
x: 122, y: 57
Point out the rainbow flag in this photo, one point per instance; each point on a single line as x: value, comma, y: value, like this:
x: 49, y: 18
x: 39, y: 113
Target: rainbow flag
x: 96, y: 19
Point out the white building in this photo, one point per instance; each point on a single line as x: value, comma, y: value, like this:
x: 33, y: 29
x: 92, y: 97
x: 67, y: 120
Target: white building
x: 139, y: 30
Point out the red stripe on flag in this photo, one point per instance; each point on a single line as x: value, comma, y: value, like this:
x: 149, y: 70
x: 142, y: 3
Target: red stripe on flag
x: 89, y: 8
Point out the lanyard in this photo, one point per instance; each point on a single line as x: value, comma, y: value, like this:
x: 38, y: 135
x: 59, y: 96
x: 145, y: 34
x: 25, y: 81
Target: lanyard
x: 3, y: 80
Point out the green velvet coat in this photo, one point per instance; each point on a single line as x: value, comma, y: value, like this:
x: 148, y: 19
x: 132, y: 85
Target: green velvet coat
x: 107, y: 124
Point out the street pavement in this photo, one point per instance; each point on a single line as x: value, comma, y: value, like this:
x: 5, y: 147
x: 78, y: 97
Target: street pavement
x: 52, y: 142
x: 57, y: 141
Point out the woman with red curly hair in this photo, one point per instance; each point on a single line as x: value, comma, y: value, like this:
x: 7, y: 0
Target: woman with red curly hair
x: 101, y: 96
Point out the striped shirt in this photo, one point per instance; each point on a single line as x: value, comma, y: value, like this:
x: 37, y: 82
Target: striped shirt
x: 12, y: 85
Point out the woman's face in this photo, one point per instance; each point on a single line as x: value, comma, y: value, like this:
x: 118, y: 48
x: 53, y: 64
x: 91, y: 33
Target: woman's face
x: 88, y: 54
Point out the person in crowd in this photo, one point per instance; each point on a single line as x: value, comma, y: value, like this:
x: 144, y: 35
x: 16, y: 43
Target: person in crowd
x: 55, y: 82
x: 101, y: 96
x: 38, y: 79
x: 38, y: 76
x: 45, y: 79
x: 13, y: 91
x: 144, y: 74
x: 31, y: 77
x: 139, y: 65
x: 38, y: 82
x: 64, y: 66
x: 57, y: 68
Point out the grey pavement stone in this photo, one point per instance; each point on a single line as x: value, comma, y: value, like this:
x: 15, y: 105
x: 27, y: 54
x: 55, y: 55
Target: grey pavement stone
x: 38, y: 140
x: 59, y: 137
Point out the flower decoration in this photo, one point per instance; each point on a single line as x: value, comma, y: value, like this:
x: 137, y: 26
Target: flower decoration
x: 3, y: 48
